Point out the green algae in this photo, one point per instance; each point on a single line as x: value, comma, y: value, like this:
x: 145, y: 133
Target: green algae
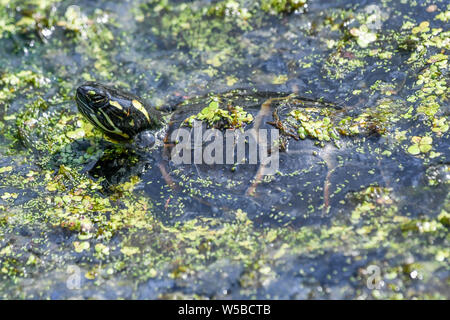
x: 420, y: 145
x: 214, y: 116
x: 54, y: 215
x: 283, y: 6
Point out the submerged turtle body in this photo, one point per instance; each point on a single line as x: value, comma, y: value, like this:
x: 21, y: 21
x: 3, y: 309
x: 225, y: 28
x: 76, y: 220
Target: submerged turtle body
x: 295, y: 190
x: 298, y: 169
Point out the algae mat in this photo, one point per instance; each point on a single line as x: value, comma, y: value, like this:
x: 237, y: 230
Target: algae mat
x: 366, y: 217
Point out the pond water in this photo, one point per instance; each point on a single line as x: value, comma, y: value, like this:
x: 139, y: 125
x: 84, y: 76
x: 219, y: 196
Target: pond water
x: 357, y: 210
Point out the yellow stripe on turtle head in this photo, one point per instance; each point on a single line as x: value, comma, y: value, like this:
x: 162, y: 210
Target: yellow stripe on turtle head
x: 115, y: 104
x: 141, y: 108
x: 115, y: 131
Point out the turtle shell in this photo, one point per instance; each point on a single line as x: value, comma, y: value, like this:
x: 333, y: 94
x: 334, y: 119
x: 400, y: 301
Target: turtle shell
x: 295, y: 190
x: 314, y: 171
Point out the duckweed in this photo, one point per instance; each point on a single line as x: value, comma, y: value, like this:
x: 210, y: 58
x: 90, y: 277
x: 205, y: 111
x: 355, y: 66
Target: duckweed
x: 214, y: 116
x: 72, y: 203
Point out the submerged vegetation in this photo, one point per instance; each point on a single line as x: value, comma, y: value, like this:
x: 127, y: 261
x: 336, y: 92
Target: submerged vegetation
x: 368, y: 185
x: 214, y: 116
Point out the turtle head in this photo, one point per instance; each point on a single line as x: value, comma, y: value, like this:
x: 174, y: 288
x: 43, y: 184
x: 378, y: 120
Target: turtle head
x: 93, y: 92
x: 118, y: 114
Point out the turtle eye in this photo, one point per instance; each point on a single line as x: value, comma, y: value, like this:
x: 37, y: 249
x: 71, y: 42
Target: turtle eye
x: 98, y: 98
x: 95, y: 96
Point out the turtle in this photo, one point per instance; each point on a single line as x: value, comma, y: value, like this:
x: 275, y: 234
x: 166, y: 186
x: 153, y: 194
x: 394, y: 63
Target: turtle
x: 299, y: 188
